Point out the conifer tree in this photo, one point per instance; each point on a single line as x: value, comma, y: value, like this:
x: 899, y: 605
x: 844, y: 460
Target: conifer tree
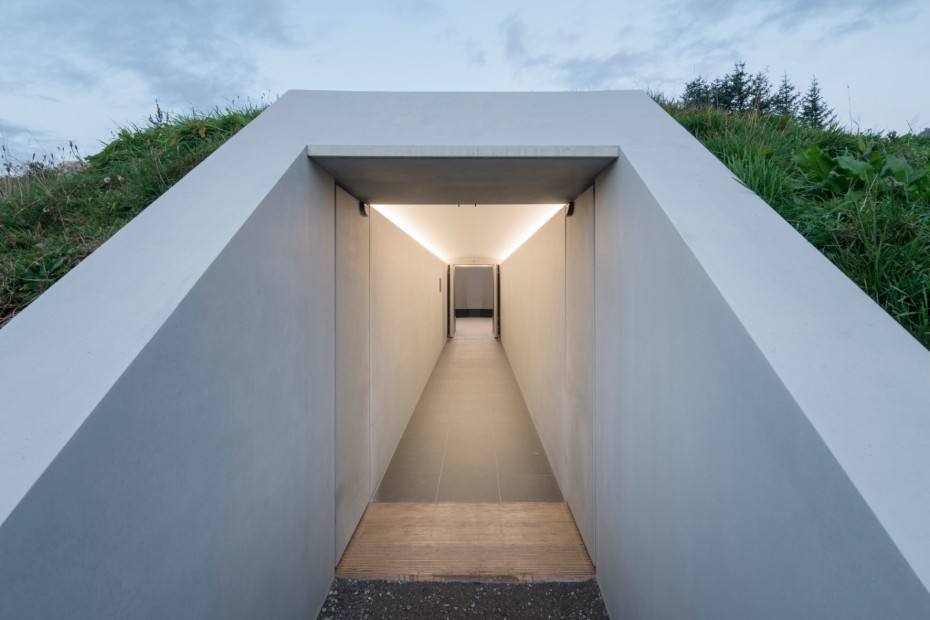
x: 760, y: 93
x: 734, y: 89
x: 720, y: 93
x: 732, y: 92
x: 785, y: 100
x: 698, y: 93
x: 814, y: 110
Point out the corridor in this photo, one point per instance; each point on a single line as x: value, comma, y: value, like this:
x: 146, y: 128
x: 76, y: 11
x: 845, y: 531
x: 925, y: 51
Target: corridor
x: 470, y: 438
x: 469, y: 491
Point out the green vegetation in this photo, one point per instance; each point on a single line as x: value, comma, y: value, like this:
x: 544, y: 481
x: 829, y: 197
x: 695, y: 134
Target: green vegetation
x: 862, y: 200
x: 54, y: 214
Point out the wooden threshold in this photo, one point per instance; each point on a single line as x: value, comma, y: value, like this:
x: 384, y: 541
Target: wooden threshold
x: 527, y: 542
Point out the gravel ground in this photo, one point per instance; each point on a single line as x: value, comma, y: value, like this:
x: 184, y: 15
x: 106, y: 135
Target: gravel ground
x: 349, y: 598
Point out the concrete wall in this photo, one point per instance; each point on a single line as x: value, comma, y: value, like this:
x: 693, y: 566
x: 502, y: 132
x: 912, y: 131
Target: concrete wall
x: 730, y: 485
x: 407, y: 333
x: 352, y: 423
x: 201, y: 483
x: 474, y: 287
x: 578, y: 484
x: 547, y: 329
x: 762, y: 428
x: 533, y: 332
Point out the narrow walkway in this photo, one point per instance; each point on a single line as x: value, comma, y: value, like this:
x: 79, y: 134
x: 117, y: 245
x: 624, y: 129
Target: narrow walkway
x: 470, y: 438
x: 469, y: 493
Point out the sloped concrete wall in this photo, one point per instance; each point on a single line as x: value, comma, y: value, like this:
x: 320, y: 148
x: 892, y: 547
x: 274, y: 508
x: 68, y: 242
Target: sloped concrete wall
x: 407, y: 333
x: 201, y: 484
x: 735, y: 470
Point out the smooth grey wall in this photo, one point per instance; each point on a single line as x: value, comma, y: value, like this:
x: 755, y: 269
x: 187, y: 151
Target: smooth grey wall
x: 352, y: 449
x: 578, y: 484
x: 474, y: 287
x: 716, y: 497
x: 201, y: 485
x: 407, y: 333
x: 533, y: 332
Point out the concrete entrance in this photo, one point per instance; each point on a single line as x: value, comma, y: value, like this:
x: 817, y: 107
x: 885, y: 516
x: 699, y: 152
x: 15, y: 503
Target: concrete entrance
x: 181, y: 413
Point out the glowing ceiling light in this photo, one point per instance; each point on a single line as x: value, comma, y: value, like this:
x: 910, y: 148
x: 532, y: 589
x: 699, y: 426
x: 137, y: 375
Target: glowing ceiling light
x: 529, y: 226
x: 459, y: 231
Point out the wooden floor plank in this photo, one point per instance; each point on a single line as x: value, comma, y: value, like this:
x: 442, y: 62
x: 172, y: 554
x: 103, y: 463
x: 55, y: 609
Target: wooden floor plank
x: 494, y: 541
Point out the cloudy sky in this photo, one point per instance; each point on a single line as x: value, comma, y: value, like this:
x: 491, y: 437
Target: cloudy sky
x: 76, y: 70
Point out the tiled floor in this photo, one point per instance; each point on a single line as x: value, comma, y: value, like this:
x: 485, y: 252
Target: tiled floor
x: 470, y: 438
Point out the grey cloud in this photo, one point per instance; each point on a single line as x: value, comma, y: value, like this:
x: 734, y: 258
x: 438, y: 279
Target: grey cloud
x: 14, y: 131
x: 705, y: 11
x: 616, y: 68
x: 477, y: 57
x: 858, y: 25
x: 21, y: 143
x: 419, y: 8
x: 636, y: 58
x: 184, y: 52
x: 513, y: 33
x: 597, y: 72
x: 686, y: 26
x: 717, y: 32
x: 841, y: 17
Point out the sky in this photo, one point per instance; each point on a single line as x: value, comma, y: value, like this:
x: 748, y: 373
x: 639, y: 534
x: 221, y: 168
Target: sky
x: 76, y: 71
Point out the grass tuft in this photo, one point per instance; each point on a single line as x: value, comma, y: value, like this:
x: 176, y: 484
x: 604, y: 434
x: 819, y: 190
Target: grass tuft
x: 52, y: 215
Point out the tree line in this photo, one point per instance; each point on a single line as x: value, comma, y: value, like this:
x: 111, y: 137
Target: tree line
x: 742, y: 91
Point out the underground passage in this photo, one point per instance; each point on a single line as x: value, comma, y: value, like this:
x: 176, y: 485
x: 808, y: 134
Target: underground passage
x: 267, y: 380
x: 447, y: 420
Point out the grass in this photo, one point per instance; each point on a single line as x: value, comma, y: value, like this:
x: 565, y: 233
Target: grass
x: 53, y: 216
x: 862, y: 200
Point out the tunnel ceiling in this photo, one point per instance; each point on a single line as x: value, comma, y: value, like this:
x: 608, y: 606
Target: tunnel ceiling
x: 469, y: 230
x: 466, y: 174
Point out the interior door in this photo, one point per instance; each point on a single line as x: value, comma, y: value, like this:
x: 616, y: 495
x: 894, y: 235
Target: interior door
x: 496, y: 317
x: 450, y: 300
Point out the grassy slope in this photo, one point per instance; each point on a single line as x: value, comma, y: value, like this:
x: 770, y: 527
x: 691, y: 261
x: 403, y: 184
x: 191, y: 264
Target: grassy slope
x: 874, y: 227
x: 50, y: 220
x: 871, y: 220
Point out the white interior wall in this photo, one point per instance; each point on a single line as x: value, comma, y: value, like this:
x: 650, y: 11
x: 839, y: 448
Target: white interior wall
x: 533, y: 332
x: 578, y: 484
x: 352, y: 423
x: 407, y: 333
